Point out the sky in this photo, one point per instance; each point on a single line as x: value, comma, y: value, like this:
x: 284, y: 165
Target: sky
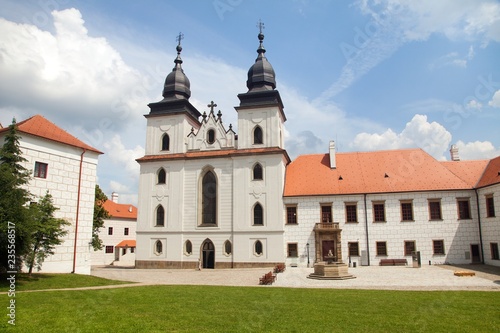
x: 369, y: 74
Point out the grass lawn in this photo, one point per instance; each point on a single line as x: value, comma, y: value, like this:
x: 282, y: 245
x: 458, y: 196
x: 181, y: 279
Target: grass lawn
x: 54, y: 281
x: 254, y: 309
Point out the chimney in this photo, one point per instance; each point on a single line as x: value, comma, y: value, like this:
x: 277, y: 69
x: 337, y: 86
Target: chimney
x: 333, y: 163
x: 454, y: 153
x: 114, y: 197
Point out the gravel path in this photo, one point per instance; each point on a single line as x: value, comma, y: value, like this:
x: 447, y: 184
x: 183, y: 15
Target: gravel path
x: 369, y: 277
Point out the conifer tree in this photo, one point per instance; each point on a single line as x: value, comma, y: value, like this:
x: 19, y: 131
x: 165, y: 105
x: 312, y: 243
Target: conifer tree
x: 14, y: 199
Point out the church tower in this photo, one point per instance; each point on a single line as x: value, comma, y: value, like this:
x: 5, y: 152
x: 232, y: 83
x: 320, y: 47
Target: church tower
x: 260, y: 114
x: 207, y: 197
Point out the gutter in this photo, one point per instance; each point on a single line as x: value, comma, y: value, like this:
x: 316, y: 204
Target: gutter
x: 480, y: 228
x: 77, y: 209
x: 366, y: 228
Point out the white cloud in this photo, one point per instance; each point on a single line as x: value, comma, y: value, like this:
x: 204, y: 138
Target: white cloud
x: 474, y: 104
x: 495, y: 101
x: 477, y: 150
x: 432, y: 137
x: 123, y: 157
x: 66, y: 74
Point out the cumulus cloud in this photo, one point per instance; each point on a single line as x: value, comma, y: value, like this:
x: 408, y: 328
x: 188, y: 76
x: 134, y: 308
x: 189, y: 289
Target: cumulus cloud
x: 477, y: 150
x: 123, y: 157
x: 495, y: 101
x: 419, y: 132
x: 66, y: 74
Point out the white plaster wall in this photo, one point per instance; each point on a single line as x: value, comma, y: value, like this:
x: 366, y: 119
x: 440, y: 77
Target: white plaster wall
x: 269, y: 119
x: 100, y: 257
x: 62, y: 183
x: 177, y: 126
x: 490, y: 225
x: 458, y: 235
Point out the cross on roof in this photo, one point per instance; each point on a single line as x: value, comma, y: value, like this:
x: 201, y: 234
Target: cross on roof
x: 260, y: 25
x: 179, y: 38
x: 211, y: 106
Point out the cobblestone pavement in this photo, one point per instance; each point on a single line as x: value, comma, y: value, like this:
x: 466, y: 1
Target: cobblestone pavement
x: 367, y: 277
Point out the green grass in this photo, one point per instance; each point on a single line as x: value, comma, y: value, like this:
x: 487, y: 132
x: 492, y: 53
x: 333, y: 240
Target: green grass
x: 54, y: 281
x: 254, y: 309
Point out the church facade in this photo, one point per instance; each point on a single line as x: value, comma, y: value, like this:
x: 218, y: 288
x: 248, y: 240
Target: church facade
x: 211, y: 198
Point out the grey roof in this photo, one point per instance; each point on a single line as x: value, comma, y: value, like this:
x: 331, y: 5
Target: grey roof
x: 261, y: 75
x: 177, y: 85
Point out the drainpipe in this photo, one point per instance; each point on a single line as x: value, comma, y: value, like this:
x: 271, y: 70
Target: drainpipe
x: 479, y: 225
x: 77, y: 209
x: 366, y: 228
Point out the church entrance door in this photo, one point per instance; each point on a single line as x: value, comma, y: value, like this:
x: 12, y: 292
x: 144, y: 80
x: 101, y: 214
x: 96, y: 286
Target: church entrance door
x: 208, y: 254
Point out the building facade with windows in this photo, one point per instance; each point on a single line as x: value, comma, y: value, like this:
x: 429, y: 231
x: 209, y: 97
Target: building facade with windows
x: 212, y: 198
x: 207, y: 197
x: 66, y: 167
x: 117, y: 235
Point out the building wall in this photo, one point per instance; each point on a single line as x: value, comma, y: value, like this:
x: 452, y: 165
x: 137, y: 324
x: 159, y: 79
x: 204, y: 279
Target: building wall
x: 458, y: 235
x: 236, y: 196
x: 490, y: 226
x: 62, y: 183
x: 100, y: 257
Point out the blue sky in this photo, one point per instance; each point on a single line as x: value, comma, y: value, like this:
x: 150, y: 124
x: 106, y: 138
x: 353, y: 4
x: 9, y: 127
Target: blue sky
x: 371, y: 75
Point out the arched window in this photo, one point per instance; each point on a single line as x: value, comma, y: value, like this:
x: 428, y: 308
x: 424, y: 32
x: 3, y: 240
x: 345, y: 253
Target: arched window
x: 258, y: 248
x: 188, y: 247
x: 160, y: 216
x: 211, y: 136
x: 162, y: 176
x: 257, y: 135
x: 158, y: 249
x: 228, y: 248
x: 209, y: 199
x: 258, y: 215
x: 165, y: 142
x: 257, y: 172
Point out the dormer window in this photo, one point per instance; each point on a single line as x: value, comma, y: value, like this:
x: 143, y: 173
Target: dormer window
x: 257, y: 135
x: 211, y: 136
x: 165, y: 142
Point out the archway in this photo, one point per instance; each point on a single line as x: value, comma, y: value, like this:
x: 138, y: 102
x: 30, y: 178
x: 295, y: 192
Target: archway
x: 208, y: 254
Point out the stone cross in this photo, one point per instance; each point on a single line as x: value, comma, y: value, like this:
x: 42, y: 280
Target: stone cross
x: 211, y: 106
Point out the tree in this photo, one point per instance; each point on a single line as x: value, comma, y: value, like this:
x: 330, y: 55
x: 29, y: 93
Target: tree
x: 100, y: 214
x: 47, y: 232
x: 14, y: 212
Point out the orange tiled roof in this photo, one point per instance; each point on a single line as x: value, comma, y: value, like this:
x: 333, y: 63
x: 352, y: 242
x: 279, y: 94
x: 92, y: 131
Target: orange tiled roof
x: 41, y: 127
x: 215, y: 154
x: 468, y: 171
x: 126, y: 243
x: 386, y: 171
x: 120, y: 210
x: 492, y: 173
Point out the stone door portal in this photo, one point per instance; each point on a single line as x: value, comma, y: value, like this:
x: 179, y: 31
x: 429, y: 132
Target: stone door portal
x: 208, y: 254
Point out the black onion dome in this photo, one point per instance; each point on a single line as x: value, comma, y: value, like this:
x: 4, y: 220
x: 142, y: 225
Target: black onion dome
x: 177, y: 84
x: 261, y: 75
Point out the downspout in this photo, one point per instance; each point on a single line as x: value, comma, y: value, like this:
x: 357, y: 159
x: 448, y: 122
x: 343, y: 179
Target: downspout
x: 77, y: 209
x: 366, y: 228
x: 479, y: 225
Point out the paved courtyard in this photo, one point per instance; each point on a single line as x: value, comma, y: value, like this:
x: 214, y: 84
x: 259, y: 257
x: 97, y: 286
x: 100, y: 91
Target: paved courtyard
x: 369, y: 277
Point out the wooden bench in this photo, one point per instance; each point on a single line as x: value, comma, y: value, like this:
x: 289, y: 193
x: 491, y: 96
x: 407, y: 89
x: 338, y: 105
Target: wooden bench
x: 393, y: 262
x: 267, y: 278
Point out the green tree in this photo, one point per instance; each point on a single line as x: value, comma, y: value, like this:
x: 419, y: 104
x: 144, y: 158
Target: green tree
x: 47, y: 232
x: 14, y: 197
x: 100, y: 214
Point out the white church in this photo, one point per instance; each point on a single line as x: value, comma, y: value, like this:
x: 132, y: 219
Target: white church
x: 211, y: 198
